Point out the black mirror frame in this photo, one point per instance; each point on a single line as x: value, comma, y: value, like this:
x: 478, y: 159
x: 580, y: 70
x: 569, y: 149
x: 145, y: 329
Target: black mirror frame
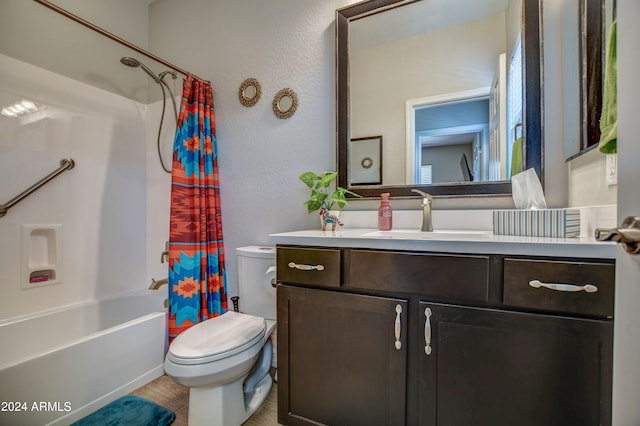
x: 533, y: 103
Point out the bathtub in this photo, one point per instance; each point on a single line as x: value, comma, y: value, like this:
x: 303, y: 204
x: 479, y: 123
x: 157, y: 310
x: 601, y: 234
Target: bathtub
x: 58, y: 366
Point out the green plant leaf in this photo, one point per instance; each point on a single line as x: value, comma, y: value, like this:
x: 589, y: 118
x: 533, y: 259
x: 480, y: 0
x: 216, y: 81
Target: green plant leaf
x: 315, y: 200
x: 320, y: 192
x: 327, y: 179
x: 346, y: 191
x: 309, y: 178
x: 338, y: 197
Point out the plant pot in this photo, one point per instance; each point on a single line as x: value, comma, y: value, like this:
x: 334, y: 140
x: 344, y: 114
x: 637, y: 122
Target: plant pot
x: 330, y: 220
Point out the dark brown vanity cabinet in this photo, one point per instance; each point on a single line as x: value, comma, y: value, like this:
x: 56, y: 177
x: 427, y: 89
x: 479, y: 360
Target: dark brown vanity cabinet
x: 478, y: 343
x: 494, y: 367
x: 340, y: 362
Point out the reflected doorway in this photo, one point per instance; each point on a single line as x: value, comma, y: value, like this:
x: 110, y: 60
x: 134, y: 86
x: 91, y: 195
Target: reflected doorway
x: 449, y: 138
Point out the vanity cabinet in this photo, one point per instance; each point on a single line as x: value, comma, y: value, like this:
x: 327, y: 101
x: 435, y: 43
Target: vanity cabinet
x: 343, y: 364
x: 421, y: 338
x: 495, y: 367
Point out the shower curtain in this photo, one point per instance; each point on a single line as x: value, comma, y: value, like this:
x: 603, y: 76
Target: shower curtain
x: 197, y: 279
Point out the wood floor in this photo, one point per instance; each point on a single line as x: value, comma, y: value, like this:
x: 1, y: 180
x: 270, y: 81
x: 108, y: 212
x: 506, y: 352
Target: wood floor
x: 163, y: 391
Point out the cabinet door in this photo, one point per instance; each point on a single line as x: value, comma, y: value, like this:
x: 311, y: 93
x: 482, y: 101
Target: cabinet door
x: 491, y: 367
x: 339, y: 361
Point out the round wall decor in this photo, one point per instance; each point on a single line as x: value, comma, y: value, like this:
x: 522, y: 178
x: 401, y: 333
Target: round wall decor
x: 249, y: 92
x: 285, y: 103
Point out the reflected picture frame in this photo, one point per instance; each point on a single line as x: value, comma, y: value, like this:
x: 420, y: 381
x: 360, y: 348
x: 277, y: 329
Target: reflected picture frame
x: 365, y: 161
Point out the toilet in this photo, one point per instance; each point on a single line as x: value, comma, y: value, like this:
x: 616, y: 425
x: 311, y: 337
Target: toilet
x: 225, y: 360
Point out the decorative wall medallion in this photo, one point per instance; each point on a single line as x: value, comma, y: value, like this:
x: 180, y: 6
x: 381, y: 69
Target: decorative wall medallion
x: 365, y: 160
x: 285, y: 103
x: 249, y: 92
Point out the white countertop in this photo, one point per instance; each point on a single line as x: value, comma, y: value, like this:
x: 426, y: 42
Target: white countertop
x: 472, y: 242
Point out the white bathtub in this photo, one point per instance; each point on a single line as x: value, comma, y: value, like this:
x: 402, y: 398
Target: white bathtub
x: 56, y: 367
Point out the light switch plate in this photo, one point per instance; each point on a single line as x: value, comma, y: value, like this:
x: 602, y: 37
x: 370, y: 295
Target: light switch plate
x: 611, y: 169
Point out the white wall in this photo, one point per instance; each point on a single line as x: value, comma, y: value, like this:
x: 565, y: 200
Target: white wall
x: 587, y: 181
x: 37, y: 35
x: 100, y: 203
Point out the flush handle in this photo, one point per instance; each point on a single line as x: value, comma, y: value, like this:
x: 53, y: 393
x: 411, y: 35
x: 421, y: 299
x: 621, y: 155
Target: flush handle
x: 427, y: 331
x: 628, y: 234
x: 398, y: 326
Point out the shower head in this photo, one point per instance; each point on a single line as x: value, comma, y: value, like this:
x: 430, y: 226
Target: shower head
x: 134, y: 63
x: 130, y: 62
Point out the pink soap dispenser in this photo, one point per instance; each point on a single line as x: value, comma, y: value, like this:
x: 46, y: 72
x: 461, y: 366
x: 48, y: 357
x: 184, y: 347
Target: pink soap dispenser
x: 385, y: 214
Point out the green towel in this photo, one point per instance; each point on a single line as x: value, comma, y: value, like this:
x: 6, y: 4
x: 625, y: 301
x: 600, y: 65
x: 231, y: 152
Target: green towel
x: 609, y: 116
x: 516, y: 156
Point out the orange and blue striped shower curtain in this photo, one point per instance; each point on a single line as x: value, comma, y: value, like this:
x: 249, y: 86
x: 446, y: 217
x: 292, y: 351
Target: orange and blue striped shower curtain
x: 197, y: 278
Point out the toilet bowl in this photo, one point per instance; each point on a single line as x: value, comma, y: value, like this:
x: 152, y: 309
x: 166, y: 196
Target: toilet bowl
x: 225, y: 361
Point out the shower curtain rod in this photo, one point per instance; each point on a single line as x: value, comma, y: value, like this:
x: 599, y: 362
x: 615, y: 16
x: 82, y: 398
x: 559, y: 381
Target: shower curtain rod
x: 114, y: 37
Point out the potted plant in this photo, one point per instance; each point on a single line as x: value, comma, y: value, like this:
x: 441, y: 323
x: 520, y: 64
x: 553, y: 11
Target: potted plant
x: 323, y: 198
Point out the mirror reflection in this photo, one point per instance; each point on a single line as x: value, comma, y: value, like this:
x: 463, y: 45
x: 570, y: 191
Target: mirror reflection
x: 443, y: 82
x: 449, y: 81
x: 587, y: 24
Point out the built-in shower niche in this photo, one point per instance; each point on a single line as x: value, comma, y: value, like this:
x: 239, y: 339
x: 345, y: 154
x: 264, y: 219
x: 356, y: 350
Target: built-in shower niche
x: 41, y: 255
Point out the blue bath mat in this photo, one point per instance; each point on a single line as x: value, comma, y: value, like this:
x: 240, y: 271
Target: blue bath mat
x: 129, y: 410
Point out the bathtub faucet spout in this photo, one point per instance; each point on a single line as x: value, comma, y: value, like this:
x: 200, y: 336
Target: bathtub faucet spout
x: 155, y: 285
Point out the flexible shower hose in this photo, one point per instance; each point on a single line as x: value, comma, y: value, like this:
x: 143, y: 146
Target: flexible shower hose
x: 163, y: 84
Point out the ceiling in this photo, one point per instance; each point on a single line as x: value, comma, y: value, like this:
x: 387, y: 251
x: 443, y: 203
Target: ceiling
x: 419, y: 17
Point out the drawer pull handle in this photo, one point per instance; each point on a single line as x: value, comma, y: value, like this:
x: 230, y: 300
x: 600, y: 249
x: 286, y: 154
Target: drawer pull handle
x: 427, y: 331
x: 398, y: 327
x: 589, y: 288
x: 304, y: 267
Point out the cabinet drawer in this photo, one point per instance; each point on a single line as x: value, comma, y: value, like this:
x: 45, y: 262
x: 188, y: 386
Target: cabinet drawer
x: 520, y: 274
x: 439, y: 276
x: 308, y: 266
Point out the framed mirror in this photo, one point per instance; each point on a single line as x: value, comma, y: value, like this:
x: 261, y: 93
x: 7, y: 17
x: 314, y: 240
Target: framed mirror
x: 408, y: 70
x: 285, y: 103
x: 588, y: 23
x: 249, y: 92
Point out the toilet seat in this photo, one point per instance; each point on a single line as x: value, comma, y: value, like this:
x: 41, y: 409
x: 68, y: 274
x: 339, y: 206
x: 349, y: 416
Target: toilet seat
x: 217, y: 338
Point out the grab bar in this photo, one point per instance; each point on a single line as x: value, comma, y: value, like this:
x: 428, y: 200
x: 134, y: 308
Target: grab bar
x: 65, y: 164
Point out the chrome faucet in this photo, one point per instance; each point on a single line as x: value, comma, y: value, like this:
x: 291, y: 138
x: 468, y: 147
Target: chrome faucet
x: 427, y: 200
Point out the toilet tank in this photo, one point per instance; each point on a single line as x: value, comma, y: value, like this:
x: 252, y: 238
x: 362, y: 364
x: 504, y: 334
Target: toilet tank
x: 256, y: 269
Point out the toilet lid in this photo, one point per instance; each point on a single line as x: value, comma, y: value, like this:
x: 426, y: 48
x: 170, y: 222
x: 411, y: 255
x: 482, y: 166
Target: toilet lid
x: 217, y: 338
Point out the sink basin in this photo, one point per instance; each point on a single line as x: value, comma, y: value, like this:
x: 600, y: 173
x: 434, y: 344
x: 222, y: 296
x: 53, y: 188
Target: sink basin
x: 410, y: 234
